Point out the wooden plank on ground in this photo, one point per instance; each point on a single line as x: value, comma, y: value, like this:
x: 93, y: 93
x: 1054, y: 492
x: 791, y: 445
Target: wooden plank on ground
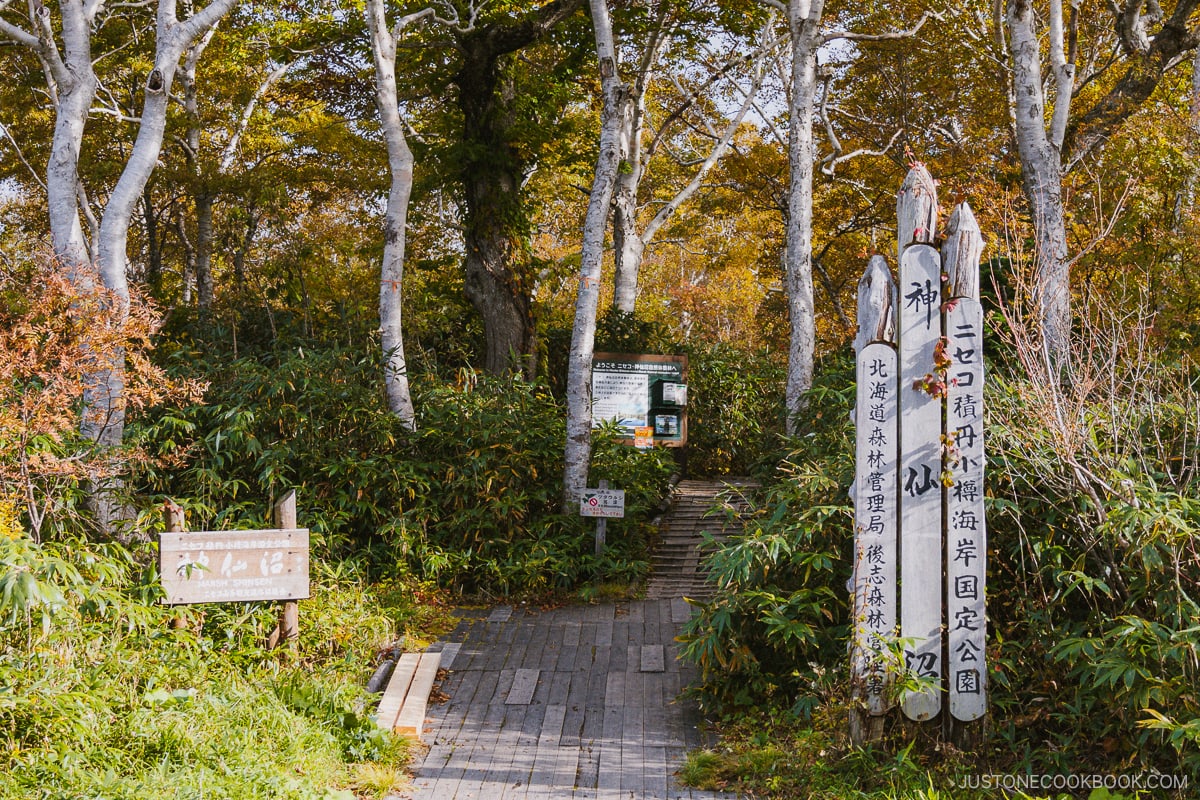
x: 412, y: 713
x: 653, y: 659
x: 449, y: 652
x: 397, y: 688
x: 524, y: 684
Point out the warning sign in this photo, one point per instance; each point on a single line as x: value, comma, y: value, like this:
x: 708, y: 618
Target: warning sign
x: 609, y: 503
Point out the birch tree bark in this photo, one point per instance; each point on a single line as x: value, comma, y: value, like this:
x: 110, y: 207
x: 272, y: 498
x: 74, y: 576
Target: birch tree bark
x: 630, y: 243
x: 400, y: 162
x: 578, y: 450
x: 1150, y: 42
x: 804, y: 23
x: 68, y: 66
x: 1041, y: 167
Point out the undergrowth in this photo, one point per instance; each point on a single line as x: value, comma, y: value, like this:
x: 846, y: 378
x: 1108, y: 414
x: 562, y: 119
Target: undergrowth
x: 105, y: 693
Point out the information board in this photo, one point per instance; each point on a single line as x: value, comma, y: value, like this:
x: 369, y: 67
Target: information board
x: 639, y: 392
x: 234, y: 566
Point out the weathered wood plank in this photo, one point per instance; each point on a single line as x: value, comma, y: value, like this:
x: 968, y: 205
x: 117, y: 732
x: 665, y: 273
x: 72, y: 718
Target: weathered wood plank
x: 966, y: 529
x: 653, y: 659
x: 412, y: 714
x: 449, y: 653
x: 876, y: 522
x: 397, y: 689
x: 524, y: 684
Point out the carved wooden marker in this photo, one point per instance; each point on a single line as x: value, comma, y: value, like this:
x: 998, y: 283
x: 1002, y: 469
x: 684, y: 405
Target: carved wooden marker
x: 875, y: 529
x: 920, y: 474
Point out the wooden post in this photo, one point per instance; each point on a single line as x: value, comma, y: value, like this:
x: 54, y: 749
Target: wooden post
x: 920, y: 476
x: 966, y: 528
x: 173, y: 523
x: 601, y: 527
x: 173, y: 516
x: 289, y: 618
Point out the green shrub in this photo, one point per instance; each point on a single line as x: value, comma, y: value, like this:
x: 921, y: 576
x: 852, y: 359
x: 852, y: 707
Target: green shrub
x: 101, y: 697
x: 735, y: 410
x: 780, y: 610
x: 470, y: 500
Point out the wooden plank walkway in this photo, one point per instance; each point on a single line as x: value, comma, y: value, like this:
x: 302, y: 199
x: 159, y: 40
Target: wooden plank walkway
x: 577, y: 702
x: 677, y: 568
x: 581, y: 702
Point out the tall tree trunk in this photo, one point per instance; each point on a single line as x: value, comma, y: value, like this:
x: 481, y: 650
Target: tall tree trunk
x: 153, y: 245
x: 578, y: 451
x: 497, y: 270
x: 400, y: 162
x: 804, y: 21
x: 1042, y: 173
x: 628, y: 245
x: 205, y: 201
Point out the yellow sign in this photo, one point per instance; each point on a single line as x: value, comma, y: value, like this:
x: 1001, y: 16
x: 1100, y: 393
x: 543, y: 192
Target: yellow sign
x: 643, y: 436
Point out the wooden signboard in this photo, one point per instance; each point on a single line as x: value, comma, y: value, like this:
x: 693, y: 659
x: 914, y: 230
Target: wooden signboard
x: 645, y: 394
x: 875, y: 522
x: 920, y: 328
x: 966, y: 530
x: 234, y: 566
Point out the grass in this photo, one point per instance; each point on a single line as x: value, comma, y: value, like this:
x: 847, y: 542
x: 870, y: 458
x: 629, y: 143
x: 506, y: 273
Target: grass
x: 114, y: 702
x: 773, y: 754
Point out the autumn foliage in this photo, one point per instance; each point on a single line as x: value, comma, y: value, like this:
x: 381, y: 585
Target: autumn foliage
x: 55, y: 329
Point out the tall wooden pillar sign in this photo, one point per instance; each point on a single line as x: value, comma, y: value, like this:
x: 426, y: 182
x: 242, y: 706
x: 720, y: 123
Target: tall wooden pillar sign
x: 876, y: 451
x: 966, y: 530
x: 920, y: 540
x: 920, y: 484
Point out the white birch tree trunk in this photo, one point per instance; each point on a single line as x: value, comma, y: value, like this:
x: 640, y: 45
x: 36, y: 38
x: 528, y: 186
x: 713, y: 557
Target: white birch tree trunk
x: 1042, y: 170
x: 72, y: 82
x: 628, y: 246
x: 804, y: 20
x: 400, y: 162
x: 630, y: 243
x: 104, y: 412
x: 578, y: 450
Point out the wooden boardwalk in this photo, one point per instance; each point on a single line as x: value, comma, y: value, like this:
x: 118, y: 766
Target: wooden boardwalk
x: 576, y: 702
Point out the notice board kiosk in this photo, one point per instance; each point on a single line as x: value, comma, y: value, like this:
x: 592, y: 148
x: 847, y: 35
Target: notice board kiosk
x: 645, y: 394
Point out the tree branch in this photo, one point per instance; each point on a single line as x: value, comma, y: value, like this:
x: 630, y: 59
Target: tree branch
x: 21, y: 156
x: 882, y: 37
x: 1142, y: 76
x: 235, y: 139
x: 722, y: 71
x: 18, y: 35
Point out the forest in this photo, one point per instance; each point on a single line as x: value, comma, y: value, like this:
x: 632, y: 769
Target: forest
x: 366, y: 250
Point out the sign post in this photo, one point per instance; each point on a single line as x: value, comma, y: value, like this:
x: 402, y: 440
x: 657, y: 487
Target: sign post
x: 646, y: 395
x: 603, y: 504
x: 920, y: 533
x: 238, y: 566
